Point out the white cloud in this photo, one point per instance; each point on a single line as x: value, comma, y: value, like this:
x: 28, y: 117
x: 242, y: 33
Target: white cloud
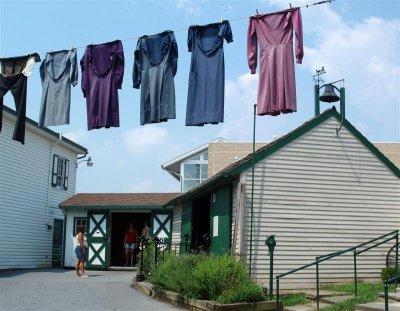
x: 366, y: 55
x: 80, y: 136
x: 144, y: 186
x: 190, y: 7
x: 145, y: 139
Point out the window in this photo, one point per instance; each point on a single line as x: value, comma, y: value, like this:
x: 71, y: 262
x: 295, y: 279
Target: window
x: 80, y: 221
x: 194, y: 171
x: 60, y: 172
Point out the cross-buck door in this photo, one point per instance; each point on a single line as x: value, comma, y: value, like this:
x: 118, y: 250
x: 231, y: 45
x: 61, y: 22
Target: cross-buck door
x: 98, y: 240
x: 161, y: 224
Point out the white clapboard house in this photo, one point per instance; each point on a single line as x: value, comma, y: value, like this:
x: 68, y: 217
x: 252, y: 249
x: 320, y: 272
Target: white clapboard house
x: 34, y: 179
x: 316, y: 190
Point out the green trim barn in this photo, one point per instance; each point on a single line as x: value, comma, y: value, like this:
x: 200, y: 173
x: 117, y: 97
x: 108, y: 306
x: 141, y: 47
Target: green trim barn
x: 316, y: 189
x: 106, y: 217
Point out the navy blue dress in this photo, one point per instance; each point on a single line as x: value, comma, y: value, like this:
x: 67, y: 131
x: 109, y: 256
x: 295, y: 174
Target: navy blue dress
x: 205, y: 102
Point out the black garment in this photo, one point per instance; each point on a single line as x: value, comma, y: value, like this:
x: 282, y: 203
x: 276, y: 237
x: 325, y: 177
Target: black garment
x: 14, y: 79
x: 155, y: 66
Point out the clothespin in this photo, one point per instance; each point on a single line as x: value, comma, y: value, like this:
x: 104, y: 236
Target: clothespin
x: 290, y: 5
x: 256, y: 12
x: 222, y: 19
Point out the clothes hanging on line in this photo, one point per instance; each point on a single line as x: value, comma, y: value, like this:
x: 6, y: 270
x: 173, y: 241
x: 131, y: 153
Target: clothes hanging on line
x: 58, y: 71
x: 205, y: 103
x: 154, y: 69
x: 102, y: 67
x: 273, y: 34
x: 14, y: 73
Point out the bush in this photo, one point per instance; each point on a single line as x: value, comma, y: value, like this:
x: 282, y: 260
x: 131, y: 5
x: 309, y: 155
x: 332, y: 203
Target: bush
x: 388, y: 273
x: 246, y: 292
x: 220, y: 278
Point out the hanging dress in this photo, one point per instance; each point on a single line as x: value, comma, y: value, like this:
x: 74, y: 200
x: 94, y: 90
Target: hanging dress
x: 273, y: 35
x: 102, y: 68
x: 58, y: 71
x: 14, y: 73
x: 154, y: 69
x: 205, y: 103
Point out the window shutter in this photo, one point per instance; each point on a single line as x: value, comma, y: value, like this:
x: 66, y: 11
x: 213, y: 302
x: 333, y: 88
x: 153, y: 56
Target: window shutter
x: 66, y: 173
x: 54, y: 172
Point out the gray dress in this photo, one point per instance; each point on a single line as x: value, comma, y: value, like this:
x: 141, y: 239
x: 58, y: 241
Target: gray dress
x: 156, y: 61
x: 57, y: 72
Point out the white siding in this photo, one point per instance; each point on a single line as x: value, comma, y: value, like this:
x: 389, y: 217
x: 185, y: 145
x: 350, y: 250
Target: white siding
x: 69, y: 236
x: 176, y: 227
x: 319, y: 194
x: 26, y: 194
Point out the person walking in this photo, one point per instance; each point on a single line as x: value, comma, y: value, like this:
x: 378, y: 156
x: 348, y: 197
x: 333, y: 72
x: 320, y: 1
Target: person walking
x: 130, y: 242
x: 80, y: 250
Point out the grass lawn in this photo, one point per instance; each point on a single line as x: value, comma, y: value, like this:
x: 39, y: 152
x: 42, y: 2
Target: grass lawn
x: 367, y: 292
x: 294, y: 299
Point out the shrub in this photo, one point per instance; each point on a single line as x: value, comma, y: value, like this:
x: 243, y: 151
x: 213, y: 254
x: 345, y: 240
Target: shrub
x: 246, y: 292
x: 388, y: 273
x: 176, y: 274
x: 216, y: 274
x: 221, y: 278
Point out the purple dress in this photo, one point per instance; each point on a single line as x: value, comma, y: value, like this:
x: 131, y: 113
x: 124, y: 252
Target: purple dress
x: 102, y: 73
x: 274, y: 35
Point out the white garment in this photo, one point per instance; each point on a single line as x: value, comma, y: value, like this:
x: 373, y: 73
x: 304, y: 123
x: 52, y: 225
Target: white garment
x: 30, y: 65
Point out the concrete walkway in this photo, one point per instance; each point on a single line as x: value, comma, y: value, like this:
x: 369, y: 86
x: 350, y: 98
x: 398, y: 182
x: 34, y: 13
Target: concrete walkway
x: 51, y: 289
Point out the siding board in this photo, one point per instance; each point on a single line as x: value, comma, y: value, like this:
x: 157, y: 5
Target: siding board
x: 319, y: 194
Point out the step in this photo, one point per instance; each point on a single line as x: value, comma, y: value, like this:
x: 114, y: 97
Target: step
x: 308, y: 307
x: 336, y: 299
x: 393, y: 296
x: 312, y: 293
x: 122, y: 268
x: 377, y: 306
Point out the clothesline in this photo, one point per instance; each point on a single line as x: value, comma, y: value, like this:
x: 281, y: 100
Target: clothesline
x: 230, y: 20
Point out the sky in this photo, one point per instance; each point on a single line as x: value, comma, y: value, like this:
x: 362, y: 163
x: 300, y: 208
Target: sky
x: 354, y: 40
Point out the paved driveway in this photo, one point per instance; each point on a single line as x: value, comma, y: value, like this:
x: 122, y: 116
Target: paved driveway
x: 50, y: 289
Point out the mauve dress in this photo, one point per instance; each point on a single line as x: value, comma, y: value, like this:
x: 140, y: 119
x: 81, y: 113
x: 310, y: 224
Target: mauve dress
x: 102, y: 74
x: 273, y: 33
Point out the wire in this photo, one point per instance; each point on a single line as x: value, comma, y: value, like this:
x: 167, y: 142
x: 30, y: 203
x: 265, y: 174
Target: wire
x: 231, y: 20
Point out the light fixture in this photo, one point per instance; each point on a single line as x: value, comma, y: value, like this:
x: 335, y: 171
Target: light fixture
x: 89, y: 162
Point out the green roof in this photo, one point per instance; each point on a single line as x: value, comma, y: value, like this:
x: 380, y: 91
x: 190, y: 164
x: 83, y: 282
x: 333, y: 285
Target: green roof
x: 231, y: 171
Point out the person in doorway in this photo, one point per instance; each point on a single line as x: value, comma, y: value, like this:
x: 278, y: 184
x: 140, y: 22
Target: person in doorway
x: 130, y: 242
x: 80, y: 250
x: 145, y: 231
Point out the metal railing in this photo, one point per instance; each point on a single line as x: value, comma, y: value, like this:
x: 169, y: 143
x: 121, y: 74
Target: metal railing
x: 154, y: 251
x: 386, y: 284
x: 387, y: 237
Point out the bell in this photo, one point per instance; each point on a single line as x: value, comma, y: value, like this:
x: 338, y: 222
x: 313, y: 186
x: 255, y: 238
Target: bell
x: 329, y: 95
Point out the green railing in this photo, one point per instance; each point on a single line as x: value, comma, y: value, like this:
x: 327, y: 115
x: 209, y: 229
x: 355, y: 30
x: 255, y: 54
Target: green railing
x: 386, y: 284
x: 356, y: 251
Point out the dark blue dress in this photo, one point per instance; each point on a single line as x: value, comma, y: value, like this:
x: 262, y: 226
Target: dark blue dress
x: 205, y: 102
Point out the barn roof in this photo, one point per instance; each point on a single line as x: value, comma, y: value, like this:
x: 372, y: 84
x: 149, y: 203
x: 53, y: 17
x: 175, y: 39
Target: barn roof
x: 117, y: 200
x: 231, y: 171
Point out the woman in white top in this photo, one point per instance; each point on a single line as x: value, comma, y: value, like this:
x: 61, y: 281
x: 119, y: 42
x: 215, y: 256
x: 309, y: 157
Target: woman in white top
x: 80, y: 251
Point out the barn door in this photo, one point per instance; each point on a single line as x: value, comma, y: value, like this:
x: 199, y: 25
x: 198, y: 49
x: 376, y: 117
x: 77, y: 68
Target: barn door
x: 98, y: 240
x: 161, y: 224
x: 186, y: 227
x: 221, y: 221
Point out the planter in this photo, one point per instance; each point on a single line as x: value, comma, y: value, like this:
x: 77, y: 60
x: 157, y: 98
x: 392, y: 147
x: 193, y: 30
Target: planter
x: 203, y: 305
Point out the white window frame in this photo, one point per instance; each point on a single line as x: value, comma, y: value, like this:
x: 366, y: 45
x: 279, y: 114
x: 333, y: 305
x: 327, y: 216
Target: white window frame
x: 201, y: 161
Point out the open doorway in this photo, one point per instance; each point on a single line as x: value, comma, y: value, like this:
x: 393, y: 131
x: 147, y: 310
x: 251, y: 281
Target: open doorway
x: 201, y: 223
x: 119, y: 225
